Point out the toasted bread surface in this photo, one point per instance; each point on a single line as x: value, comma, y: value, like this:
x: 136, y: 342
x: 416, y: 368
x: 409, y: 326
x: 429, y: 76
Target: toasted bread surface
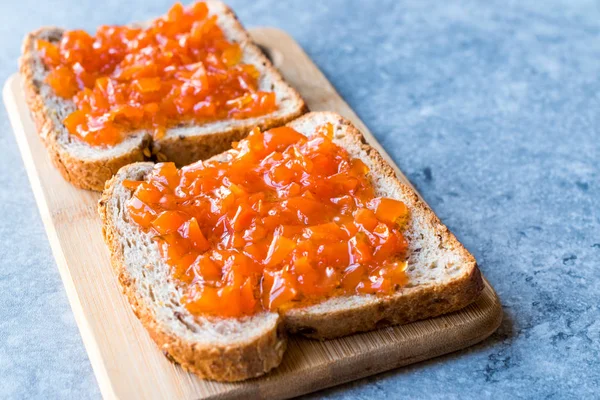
x: 90, y: 167
x: 443, y: 275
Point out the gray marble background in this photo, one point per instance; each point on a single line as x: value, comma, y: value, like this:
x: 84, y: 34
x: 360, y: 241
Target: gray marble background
x: 492, y: 109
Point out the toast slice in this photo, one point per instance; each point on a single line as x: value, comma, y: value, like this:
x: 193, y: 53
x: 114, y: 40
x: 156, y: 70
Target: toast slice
x: 214, y: 348
x: 443, y: 277
x: 89, y: 167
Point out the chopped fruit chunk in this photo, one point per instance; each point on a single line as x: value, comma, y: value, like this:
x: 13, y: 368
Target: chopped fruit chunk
x: 353, y: 277
x: 269, y: 229
x: 366, y: 218
x: 181, y: 68
x: 209, y: 269
x: 75, y: 120
x: 243, y: 217
x: 280, y: 248
x: 169, y: 222
x: 63, y: 81
x: 129, y: 184
x: 360, y: 249
x: 278, y: 289
x: 390, y: 210
x: 146, y: 85
x: 190, y: 230
x: 49, y: 52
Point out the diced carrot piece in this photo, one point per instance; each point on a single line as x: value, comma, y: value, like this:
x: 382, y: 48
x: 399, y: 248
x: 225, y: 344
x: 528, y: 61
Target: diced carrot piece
x: 176, y: 12
x: 328, y: 232
x: 232, y: 55
x: 199, y: 10
x: 145, y: 85
x: 74, y: 121
x: 359, y: 249
x: 277, y: 290
x: 205, y: 302
x: 63, y: 81
x: 247, y: 297
x: 243, y: 217
x: 131, y: 184
x: 353, y: 276
x: 140, y: 212
x: 277, y: 139
x: 279, y: 249
x: 208, y: 269
x: 366, y: 218
x: 191, y: 230
x: 390, y: 210
x: 169, y: 221
x: 49, y: 52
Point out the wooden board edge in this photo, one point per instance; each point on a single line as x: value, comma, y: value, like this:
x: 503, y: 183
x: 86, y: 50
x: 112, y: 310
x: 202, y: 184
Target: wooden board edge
x: 87, y: 334
x: 378, y: 361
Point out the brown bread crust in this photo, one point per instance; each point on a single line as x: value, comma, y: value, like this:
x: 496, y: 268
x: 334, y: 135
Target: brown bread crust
x: 411, y: 305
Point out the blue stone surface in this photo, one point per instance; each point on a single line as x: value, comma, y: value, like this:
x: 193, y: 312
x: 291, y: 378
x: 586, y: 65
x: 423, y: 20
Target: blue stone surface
x: 492, y: 109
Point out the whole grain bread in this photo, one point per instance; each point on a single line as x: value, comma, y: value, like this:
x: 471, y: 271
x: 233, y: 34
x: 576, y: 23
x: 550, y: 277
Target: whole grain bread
x: 90, y: 167
x: 443, y: 277
x: 214, y: 348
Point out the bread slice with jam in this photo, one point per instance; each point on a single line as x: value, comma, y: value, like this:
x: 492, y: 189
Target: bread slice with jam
x: 442, y: 277
x: 89, y: 167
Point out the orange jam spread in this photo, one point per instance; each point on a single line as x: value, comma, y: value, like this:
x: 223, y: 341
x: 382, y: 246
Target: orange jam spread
x: 179, y: 69
x: 289, y: 220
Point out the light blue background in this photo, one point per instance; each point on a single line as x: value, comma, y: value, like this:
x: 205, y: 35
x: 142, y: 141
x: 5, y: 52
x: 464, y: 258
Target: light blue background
x: 492, y: 109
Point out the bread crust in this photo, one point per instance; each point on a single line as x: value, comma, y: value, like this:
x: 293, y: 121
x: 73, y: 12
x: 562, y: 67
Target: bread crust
x: 93, y: 173
x: 221, y: 363
x: 409, y: 304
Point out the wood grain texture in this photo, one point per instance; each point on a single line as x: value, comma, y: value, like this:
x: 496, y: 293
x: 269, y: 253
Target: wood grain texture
x: 126, y: 362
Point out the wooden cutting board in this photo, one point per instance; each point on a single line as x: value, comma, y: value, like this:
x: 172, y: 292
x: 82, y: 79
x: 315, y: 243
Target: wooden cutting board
x: 126, y: 362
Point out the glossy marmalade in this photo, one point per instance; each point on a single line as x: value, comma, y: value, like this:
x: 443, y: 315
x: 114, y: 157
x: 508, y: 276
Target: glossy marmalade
x: 179, y: 69
x: 287, y: 221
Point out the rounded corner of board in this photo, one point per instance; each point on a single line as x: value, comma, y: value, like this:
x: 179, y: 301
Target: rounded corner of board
x: 10, y: 84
